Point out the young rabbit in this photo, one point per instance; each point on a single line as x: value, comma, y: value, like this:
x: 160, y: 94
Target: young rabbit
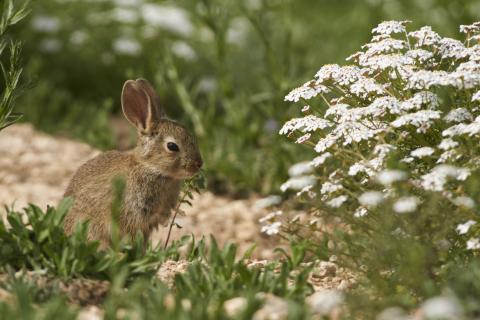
x: 165, y: 154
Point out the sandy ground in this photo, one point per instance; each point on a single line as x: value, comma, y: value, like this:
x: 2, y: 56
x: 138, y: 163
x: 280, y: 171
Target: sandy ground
x: 36, y: 168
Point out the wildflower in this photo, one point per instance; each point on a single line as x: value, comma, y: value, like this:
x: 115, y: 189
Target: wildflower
x: 371, y: 198
x: 272, y: 229
x: 170, y: 18
x: 330, y: 187
x: 360, y: 212
x: 271, y: 216
x: 464, y: 201
x: 46, y: 24
x: 306, y: 92
x: 436, y: 179
x: 387, y: 177
x: 447, y: 144
x: 389, y: 27
x: 357, y: 168
x: 451, y: 48
x: 425, y: 37
x: 464, y: 227
x: 472, y: 28
x: 422, y: 119
x: 127, y: 46
x: 303, y: 138
x: 318, y: 161
x: 306, y: 124
x: 406, y: 204
x: 183, y: 50
x: 458, y: 115
x: 337, y: 202
x: 476, y: 96
x: 299, y: 169
x: 268, y: 201
x: 298, y: 183
x: 422, y: 152
x: 473, y: 244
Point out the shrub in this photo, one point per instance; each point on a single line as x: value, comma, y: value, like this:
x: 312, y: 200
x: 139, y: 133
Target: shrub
x: 393, y: 187
x: 12, y: 70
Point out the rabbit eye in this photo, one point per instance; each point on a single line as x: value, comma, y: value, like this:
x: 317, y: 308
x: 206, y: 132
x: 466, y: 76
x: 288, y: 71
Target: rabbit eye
x: 173, y: 147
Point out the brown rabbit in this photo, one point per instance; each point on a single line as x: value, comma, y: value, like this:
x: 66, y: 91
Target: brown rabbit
x: 166, y: 153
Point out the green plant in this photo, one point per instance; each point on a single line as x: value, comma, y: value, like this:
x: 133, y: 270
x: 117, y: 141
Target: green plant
x: 392, y: 190
x: 12, y: 69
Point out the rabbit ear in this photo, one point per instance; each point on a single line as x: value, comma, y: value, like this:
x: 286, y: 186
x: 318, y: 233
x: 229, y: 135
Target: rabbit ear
x: 158, y: 110
x: 137, y: 106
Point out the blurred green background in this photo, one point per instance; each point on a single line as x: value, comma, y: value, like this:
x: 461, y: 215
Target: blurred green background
x: 221, y: 66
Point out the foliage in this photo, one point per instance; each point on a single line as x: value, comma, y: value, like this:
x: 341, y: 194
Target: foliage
x: 213, y: 276
x: 12, y: 69
x: 220, y: 66
x: 393, y: 189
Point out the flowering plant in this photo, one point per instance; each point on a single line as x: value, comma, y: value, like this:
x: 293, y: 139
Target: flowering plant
x: 396, y: 153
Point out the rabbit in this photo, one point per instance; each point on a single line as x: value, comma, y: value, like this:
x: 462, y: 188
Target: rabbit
x: 166, y: 153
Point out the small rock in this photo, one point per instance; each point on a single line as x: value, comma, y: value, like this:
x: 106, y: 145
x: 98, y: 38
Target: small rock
x: 90, y: 313
x: 325, y: 269
x: 325, y: 302
x: 274, y: 308
x: 234, y: 306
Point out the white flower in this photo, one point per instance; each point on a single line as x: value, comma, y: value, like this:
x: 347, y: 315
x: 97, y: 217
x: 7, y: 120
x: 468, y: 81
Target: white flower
x: 451, y: 48
x: 366, y: 87
x: 268, y: 201
x: 389, y: 27
x: 271, y: 216
x: 422, y: 56
x: 330, y: 187
x: 337, y: 202
x: 171, y: 18
x: 298, y: 183
x: 50, y: 45
x: 422, y: 119
x: 476, y: 96
x: 183, y: 50
x: 406, y: 204
x: 458, y: 115
x: 464, y: 201
x: 303, y: 138
x: 473, y: 244
x: 436, y: 179
x: 318, y: 161
x: 447, y: 144
x: 371, y: 198
x: 127, y: 46
x: 306, y: 91
x: 387, y: 177
x: 442, y: 307
x: 360, y: 212
x: 461, y: 129
x: 46, y: 24
x: 357, y: 168
x: 325, y: 301
x: 464, y: 227
x: 422, y: 152
x: 300, y: 169
x: 471, y: 28
x: 272, y: 229
x: 306, y: 124
x: 425, y: 36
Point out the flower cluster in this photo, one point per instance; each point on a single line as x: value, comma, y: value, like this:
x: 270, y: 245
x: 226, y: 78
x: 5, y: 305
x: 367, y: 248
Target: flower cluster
x: 406, y: 111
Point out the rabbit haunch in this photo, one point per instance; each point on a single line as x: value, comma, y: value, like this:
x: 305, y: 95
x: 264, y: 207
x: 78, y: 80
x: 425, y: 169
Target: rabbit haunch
x: 152, y: 171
